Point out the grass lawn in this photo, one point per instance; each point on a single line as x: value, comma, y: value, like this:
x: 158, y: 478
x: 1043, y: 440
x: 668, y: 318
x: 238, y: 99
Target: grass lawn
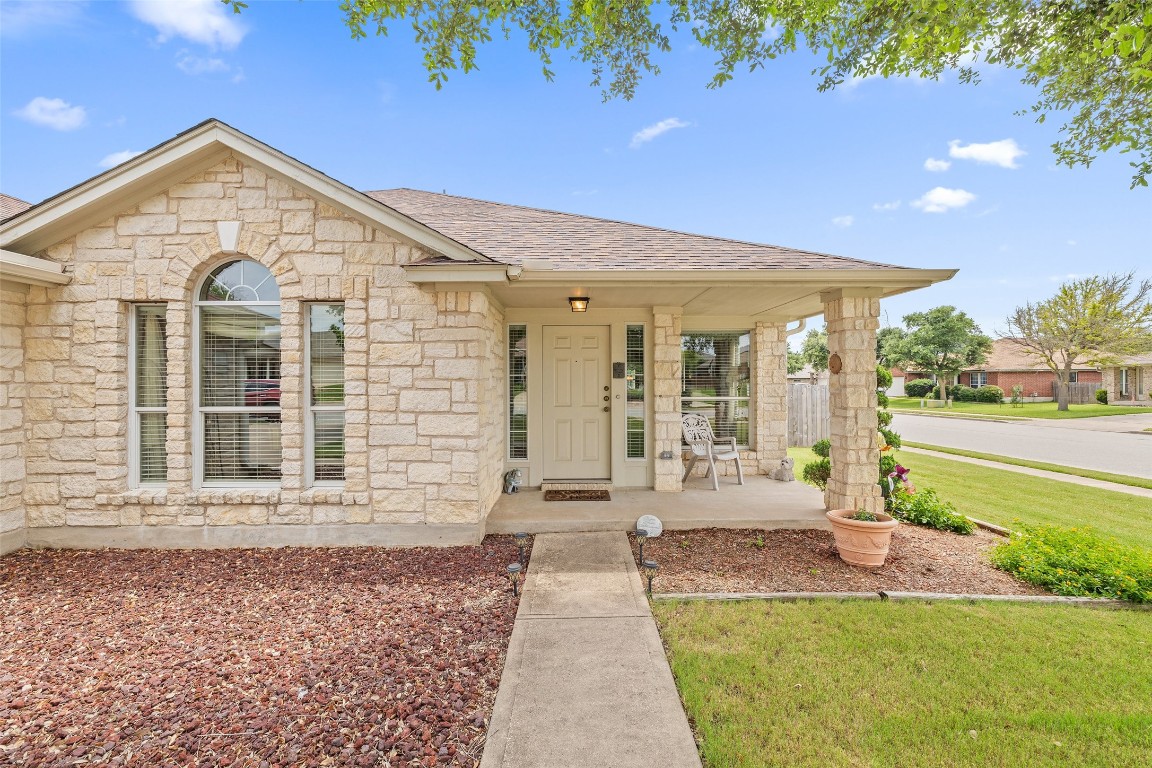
x: 1029, y: 410
x: 1136, y: 482
x: 1001, y: 496
x: 912, y: 684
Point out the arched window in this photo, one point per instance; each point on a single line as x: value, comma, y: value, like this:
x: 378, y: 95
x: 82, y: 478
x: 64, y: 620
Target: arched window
x: 238, y: 376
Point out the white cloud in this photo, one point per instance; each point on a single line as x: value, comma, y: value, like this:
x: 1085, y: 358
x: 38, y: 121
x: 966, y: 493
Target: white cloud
x: 843, y: 221
x: 1072, y: 243
x: 116, y: 158
x: 1066, y: 278
x: 54, y: 113
x: 644, y: 135
x: 932, y: 164
x: 208, y: 22
x: 886, y: 206
x: 191, y: 64
x: 20, y: 18
x: 942, y: 199
x: 1002, y: 153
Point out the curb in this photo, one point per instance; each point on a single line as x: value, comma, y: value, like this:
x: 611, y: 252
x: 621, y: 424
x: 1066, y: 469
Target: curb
x: 968, y: 416
x: 792, y: 597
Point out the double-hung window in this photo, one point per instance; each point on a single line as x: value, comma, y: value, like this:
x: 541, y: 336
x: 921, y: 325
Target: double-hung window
x: 716, y: 381
x: 148, y: 396
x: 325, y: 358
x: 238, y: 378
x: 978, y: 378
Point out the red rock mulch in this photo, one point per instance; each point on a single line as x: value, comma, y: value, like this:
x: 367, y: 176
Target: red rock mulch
x: 273, y: 657
x: 748, y: 560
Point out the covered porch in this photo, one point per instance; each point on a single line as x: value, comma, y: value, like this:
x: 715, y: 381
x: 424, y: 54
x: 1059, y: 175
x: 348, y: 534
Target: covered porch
x: 759, y: 503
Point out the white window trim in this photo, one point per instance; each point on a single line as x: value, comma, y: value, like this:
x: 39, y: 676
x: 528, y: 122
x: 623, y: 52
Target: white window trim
x: 134, y: 412
x: 310, y: 408
x: 198, y: 480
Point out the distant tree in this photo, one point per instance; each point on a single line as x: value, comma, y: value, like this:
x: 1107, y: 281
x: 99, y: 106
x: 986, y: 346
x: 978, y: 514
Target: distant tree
x: 1089, y: 60
x: 1094, y: 321
x: 885, y: 337
x: 795, y: 362
x: 814, y: 350
x: 941, y: 341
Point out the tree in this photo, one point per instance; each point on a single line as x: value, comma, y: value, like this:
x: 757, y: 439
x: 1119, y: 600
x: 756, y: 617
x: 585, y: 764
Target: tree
x: 814, y: 351
x: 1094, y: 321
x: 941, y: 341
x: 884, y: 338
x: 795, y: 362
x: 1090, y: 60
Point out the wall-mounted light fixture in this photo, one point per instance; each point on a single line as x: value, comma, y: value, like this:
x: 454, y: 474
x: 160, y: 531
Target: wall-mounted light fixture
x: 578, y: 303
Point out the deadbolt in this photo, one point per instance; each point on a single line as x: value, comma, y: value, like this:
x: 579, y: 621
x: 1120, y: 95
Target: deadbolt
x: 605, y: 387
x: 605, y: 398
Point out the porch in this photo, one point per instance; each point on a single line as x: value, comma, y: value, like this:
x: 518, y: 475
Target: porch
x: 759, y: 503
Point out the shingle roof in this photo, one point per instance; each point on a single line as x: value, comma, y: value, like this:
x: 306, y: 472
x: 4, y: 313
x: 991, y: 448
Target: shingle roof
x: 1007, y: 355
x: 513, y: 234
x: 10, y: 206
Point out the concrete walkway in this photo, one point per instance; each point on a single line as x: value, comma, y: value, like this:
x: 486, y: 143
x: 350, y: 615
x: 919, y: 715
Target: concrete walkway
x: 586, y: 682
x: 1060, y: 476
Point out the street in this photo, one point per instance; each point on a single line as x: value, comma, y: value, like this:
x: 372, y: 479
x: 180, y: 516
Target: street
x: 1073, y: 443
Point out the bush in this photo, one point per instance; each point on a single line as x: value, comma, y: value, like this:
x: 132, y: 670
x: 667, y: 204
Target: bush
x: 882, y: 399
x: 918, y: 387
x: 962, y: 394
x: 822, y: 448
x: 883, y: 377
x: 884, y: 419
x: 989, y: 394
x: 926, y: 508
x: 890, y: 437
x: 1102, y: 396
x: 887, y: 467
x: 817, y: 473
x: 1076, y: 562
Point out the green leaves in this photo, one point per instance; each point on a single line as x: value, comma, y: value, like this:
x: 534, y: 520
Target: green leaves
x: 942, y: 341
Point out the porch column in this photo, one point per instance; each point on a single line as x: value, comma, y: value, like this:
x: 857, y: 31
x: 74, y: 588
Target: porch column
x: 666, y: 398
x: 770, y: 348
x: 852, y: 317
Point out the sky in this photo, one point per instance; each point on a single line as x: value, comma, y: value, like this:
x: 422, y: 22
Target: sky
x: 908, y: 172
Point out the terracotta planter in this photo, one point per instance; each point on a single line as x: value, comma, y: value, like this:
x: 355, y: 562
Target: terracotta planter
x: 860, y: 542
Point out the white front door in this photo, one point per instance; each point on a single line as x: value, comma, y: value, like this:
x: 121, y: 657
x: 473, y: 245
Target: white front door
x: 577, y: 409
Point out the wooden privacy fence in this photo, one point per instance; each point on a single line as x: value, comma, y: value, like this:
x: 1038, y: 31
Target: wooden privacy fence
x: 1079, y: 393
x: 808, y: 419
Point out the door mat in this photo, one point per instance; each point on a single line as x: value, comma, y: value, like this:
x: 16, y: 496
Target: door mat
x: 577, y: 496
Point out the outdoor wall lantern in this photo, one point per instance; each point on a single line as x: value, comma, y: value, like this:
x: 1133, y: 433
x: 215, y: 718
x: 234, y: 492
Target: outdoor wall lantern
x: 521, y: 545
x: 641, y: 537
x: 578, y: 303
x: 650, y: 568
x: 515, y: 576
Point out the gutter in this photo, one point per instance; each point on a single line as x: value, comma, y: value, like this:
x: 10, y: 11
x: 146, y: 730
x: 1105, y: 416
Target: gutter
x: 31, y: 270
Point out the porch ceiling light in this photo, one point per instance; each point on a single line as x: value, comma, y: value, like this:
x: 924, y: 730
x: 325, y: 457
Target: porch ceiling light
x: 578, y: 303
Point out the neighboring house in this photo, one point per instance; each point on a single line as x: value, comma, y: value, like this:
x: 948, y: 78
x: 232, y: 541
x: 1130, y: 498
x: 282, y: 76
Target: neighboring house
x: 214, y: 344
x: 1130, y: 381
x: 1008, y: 365
x: 808, y: 376
x: 899, y: 376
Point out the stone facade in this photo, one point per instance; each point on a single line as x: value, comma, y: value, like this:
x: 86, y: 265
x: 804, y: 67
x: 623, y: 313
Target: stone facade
x: 770, y: 351
x: 852, y: 321
x: 666, y: 383
x: 423, y: 370
x: 13, y: 297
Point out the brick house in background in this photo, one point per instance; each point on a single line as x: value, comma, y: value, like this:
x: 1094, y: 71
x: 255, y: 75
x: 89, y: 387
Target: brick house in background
x: 1008, y: 365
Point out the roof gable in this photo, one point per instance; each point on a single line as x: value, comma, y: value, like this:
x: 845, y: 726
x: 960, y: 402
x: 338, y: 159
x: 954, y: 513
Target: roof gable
x: 59, y: 217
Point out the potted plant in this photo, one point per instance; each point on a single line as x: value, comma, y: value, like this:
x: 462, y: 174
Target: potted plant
x: 862, y: 537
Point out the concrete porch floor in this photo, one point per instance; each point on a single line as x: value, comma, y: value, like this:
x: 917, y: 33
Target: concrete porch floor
x: 759, y: 503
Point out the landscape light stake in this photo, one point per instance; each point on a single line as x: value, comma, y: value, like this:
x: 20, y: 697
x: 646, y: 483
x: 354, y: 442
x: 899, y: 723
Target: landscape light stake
x: 650, y: 568
x: 641, y: 537
x: 521, y: 546
x: 514, y: 577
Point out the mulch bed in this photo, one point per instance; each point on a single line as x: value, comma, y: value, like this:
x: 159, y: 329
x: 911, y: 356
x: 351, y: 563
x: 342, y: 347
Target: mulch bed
x: 750, y: 560
x: 577, y: 495
x: 266, y: 657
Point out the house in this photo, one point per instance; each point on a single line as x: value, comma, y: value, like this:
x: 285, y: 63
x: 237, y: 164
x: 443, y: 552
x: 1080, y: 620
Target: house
x: 1009, y: 365
x: 1129, y: 381
x: 808, y: 376
x: 214, y: 344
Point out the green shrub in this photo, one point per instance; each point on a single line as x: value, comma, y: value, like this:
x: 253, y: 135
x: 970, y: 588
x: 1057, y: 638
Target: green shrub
x: 822, y: 448
x: 1102, y: 396
x: 817, y: 473
x: 883, y: 419
x: 887, y: 467
x: 926, y: 508
x: 918, y: 387
x: 962, y: 394
x: 883, y: 377
x: 890, y: 437
x: 989, y: 393
x: 882, y: 399
x: 1076, y: 562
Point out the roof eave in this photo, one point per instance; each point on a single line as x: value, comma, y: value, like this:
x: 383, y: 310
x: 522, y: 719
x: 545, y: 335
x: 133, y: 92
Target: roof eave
x: 31, y: 270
